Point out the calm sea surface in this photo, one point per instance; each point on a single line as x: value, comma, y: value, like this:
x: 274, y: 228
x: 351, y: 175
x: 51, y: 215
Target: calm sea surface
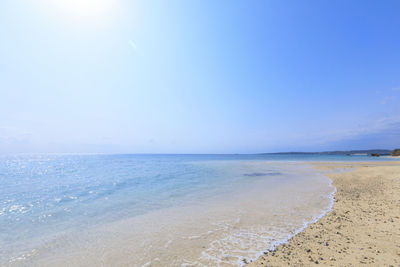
x: 155, y: 210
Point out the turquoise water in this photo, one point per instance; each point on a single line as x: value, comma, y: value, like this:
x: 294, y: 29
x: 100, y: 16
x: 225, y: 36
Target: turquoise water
x: 47, y: 197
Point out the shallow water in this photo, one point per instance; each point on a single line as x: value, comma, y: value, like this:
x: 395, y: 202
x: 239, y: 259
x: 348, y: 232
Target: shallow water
x: 155, y: 210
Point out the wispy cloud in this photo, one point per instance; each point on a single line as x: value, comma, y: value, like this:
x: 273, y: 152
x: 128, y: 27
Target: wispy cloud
x: 14, y: 140
x: 13, y: 132
x: 388, y: 99
x: 132, y: 44
x: 382, y: 133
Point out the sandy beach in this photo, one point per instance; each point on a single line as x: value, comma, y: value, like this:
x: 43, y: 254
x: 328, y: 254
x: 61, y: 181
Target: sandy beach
x: 363, y: 228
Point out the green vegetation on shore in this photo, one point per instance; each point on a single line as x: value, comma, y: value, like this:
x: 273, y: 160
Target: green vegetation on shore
x: 396, y: 152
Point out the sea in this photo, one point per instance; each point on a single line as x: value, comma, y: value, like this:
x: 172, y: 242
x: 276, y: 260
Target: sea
x: 156, y: 210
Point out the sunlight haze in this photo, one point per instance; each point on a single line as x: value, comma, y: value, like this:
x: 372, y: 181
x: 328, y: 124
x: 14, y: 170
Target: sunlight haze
x: 198, y: 76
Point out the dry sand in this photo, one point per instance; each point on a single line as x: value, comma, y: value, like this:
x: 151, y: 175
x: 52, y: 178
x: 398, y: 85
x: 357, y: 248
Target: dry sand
x: 363, y: 228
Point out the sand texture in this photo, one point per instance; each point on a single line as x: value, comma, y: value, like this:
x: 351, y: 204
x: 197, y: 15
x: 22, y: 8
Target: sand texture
x: 363, y: 228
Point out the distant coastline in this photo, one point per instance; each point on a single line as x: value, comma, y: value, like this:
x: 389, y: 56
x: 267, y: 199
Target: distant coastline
x: 380, y: 152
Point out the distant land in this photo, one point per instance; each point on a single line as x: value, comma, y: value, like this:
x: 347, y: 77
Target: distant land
x: 345, y: 152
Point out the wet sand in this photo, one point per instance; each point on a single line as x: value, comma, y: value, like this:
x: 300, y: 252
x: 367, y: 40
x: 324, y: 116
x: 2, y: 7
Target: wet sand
x: 363, y: 228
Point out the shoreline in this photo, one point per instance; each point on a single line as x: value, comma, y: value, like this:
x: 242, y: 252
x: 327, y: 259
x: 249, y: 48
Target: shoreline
x: 362, y: 228
x: 305, y: 226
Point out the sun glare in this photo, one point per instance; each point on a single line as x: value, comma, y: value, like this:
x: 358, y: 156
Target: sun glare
x: 85, y: 10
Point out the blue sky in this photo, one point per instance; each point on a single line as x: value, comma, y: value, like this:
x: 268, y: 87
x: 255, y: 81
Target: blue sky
x: 198, y: 76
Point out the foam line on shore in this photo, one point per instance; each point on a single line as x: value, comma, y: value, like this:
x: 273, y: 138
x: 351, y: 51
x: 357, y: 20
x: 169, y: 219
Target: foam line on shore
x: 305, y: 225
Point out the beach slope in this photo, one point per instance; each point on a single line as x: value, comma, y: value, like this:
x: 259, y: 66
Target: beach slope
x: 363, y: 227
